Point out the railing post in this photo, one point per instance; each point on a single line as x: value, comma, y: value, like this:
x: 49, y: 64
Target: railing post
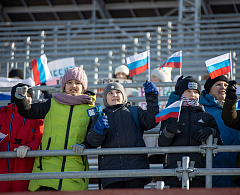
x: 148, y: 37
x: 26, y: 63
x: 136, y: 44
x: 13, y: 48
x: 209, y: 158
x: 159, y: 41
x: 42, y: 41
x: 123, y: 53
x: 185, y: 174
x: 169, y: 41
x: 110, y: 55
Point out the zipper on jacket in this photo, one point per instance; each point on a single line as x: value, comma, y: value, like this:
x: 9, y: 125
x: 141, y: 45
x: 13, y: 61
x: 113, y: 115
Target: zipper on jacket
x: 23, y: 122
x: 10, y: 129
x: 33, y: 133
x: 65, y: 145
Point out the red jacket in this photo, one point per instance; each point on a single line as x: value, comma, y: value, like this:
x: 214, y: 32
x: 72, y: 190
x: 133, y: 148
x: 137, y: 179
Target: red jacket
x: 20, y: 131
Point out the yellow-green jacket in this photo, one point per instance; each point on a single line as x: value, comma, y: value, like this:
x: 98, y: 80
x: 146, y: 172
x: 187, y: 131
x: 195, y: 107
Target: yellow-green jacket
x: 64, y: 126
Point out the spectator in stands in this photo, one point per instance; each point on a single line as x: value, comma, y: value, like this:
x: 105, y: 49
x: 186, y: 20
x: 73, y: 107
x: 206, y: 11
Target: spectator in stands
x: 66, y: 123
x: 121, y: 72
x: 23, y: 135
x: 121, y: 127
x: 231, y: 118
x: 212, y: 98
x: 16, y: 74
x: 193, y: 127
x: 162, y: 75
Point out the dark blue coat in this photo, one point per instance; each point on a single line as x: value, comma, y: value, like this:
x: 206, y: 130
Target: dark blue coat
x: 123, y: 133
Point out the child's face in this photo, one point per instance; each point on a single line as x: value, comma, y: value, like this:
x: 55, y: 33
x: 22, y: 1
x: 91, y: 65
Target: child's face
x: 155, y: 79
x: 191, y: 94
x: 73, y: 87
x: 114, y: 97
x: 121, y: 75
x: 218, y: 90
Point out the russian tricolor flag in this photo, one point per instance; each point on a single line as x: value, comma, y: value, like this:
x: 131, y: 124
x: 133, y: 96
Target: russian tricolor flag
x: 171, y: 111
x: 41, y: 71
x: 219, y: 65
x: 175, y: 61
x: 2, y: 136
x: 138, y: 63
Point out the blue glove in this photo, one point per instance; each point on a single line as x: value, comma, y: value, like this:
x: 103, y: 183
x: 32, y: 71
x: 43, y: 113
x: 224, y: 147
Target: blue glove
x: 150, y: 87
x: 101, y: 124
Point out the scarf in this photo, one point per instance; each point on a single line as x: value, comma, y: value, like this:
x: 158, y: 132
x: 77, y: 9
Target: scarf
x: 220, y: 103
x: 187, y: 102
x: 70, y: 100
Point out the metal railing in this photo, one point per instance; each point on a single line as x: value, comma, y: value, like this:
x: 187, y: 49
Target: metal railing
x: 185, y: 170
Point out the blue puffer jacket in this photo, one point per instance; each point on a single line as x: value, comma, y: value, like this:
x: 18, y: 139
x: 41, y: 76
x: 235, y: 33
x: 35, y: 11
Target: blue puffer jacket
x: 229, y: 137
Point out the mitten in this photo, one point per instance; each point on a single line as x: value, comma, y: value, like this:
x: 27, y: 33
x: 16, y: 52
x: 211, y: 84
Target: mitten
x: 101, y: 124
x: 21, y: 92
x: 150, y: 87
x: 203, y: 134
x: 21, y: 151
x: 231, y: 90
x: 174, y: 127
x: 78, y: 148
x: 177, y: 84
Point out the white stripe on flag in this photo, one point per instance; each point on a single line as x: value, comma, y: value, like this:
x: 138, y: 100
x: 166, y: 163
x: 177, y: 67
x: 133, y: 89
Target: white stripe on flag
x: 46, y: 69
x: 137, y: 57
x: 217, y: 59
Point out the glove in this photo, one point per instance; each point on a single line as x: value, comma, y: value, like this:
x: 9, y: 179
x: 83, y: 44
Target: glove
x: 150, y: 87
x: 21, y: 151
x: 174, y: 127
x: 78, y: 148
x: 21, y: 92
x: 231, y: 90
x: 177, y: 84
x: 101, y: 124
x: 203, y: 134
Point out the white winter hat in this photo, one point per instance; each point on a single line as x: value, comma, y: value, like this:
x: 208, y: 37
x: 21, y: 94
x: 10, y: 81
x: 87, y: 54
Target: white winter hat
x: 122, y: 68
x: 163, y: 74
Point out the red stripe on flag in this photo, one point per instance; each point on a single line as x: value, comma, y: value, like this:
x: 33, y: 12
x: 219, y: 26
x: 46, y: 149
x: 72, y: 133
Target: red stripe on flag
x: 36, y: 74
x: 172, y: 64
x: 165, y: 117
x: 138, y: 70
x: 220, y: 72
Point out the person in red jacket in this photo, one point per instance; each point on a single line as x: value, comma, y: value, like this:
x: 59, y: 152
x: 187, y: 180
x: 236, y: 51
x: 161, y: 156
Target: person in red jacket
x: 22, y: 135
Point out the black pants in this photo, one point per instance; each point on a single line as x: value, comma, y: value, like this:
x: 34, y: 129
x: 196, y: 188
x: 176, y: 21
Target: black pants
x: 174, y: 182
x: 135, y: 183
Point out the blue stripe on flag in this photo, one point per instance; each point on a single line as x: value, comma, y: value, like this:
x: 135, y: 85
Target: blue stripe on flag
x: 41, y: 71
x: 138, y: 63
x: 174, y: 59
x: 219, y: 65
x: 167, y: 111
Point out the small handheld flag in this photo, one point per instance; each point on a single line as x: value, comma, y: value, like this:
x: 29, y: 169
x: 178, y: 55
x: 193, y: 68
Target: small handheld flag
x: 138, y: 63
x: 41, y: 71
x: 174, y: 61
x: 94, y: 111
x: 219, y: 65
x: 171, y: 111
x: 2, y: 136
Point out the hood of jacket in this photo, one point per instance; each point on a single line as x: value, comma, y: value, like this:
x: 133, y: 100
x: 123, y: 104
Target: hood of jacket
x: 208, y: 100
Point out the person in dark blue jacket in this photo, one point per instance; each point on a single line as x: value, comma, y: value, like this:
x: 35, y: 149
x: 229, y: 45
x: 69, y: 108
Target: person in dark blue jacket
x: 212, y: 98
x: 119, y: 129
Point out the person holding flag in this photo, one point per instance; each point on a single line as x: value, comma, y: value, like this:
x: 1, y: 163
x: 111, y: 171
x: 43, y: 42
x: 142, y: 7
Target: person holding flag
x: 184, y: 123
x: 21, y: 135
x: 66, y: 125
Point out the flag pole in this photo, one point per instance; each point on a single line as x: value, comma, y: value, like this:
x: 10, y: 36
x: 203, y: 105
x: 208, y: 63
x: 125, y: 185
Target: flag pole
x: 181, y: 64
x: 231, y: 73
x: 149, y: 64
x: 179, y: 111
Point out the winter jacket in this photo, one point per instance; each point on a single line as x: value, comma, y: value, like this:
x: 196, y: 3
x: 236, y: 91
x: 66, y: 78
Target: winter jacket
x: 195, y: 119
x: 65, y: 125
x: 231, y: 118
x: 21, y: 131
x: 123, y: 133
x: 229, y: 137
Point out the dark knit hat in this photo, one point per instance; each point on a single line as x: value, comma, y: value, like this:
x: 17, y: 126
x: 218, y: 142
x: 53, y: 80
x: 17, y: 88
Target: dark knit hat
x: 76, y: 74
x: 188, y: 83
x: 30, y: 91
x: 113, y: 86
x: 210, y: 82
x: 15, y: 72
